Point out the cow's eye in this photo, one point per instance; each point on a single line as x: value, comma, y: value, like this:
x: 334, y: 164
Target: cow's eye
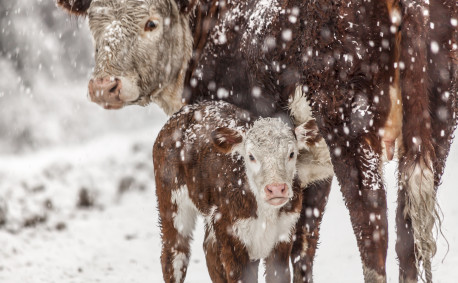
x: 291, y: 155
x: 251, y: 157
x: 150, y: 25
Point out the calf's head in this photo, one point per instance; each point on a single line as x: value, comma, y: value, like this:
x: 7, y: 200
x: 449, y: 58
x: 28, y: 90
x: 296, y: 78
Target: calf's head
x: 269, y: 150
x: 142, y: 48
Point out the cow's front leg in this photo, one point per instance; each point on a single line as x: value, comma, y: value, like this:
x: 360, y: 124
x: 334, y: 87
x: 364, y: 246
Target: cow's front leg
x: 277, y: 264
x: 314, y: 200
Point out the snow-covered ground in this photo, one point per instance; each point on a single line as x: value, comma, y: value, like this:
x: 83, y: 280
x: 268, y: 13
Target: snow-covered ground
x: 86, y: 212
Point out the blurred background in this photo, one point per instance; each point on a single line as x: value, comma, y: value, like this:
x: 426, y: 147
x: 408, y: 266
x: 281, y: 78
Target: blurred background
x: 46, y: 58
x: 77, y: 200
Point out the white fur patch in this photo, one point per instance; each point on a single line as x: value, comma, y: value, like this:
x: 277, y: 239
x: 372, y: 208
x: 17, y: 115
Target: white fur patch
x: 184, y: 219
x: 261, y: 234
x: 179, y: 261
x: 300, y: 108
x: 129, y: 89
x: 313, y: 165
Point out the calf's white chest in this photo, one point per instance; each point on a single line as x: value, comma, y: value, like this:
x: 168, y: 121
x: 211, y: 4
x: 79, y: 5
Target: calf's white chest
x: 261, y: 234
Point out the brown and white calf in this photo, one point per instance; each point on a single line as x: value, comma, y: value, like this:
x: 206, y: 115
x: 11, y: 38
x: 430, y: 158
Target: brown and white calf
x: 213, y: 159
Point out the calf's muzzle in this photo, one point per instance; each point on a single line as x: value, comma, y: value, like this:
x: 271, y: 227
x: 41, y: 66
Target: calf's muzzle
x: 276, y: 194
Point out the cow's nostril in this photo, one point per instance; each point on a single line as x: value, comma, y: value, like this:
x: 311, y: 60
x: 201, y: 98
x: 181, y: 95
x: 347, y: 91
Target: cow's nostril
x: 113, y: 89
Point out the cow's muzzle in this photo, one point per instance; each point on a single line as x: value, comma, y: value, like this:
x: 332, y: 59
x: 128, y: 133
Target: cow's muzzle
x: 106, y: 92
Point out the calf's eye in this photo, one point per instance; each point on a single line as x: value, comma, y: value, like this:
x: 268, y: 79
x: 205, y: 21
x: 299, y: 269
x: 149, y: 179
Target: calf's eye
x: 150, y: 25
x: 251, y: 157
x: 291, y: 155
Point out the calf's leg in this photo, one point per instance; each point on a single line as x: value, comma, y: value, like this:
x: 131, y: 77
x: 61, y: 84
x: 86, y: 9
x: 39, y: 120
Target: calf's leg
x: 314, y: 200
x: 277, y: 264
x: 212, y: 251
x: 177, y: 215
x: 234, y: 258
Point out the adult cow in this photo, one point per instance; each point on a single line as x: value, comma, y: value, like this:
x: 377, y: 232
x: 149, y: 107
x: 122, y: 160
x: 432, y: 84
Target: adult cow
x: 376, y: 74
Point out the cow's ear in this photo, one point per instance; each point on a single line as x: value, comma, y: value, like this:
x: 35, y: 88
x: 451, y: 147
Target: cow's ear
x: 75, y: 7
x: 186, y: 6
x: 307, y: 135
x: 225, y: 139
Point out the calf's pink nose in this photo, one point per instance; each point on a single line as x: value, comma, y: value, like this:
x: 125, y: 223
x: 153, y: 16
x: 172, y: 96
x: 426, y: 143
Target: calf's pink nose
x: 276, y: 191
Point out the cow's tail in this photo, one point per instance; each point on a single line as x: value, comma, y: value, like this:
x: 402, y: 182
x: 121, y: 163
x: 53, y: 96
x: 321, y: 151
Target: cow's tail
x: 416, y: 170
x: 426, y: 71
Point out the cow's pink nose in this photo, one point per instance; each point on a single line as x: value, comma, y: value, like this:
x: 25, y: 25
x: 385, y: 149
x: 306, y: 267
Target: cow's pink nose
x: 276, y: 194
x: 106, y: 91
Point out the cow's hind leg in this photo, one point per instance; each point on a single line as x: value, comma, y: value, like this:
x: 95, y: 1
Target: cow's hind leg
x: 358, y: 170
x: 361, y: 183
x: 314, y: 201
x: 405, y: 246
x: 177, y: 218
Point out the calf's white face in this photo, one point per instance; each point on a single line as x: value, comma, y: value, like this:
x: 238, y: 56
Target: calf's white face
x: 269, y: 150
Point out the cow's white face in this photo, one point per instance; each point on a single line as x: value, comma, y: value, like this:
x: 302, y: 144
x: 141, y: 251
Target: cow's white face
x: 142, y: 48
x: 269, y: 149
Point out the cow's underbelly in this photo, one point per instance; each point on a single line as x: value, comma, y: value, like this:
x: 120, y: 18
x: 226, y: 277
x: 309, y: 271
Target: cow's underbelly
x: 391, y: 134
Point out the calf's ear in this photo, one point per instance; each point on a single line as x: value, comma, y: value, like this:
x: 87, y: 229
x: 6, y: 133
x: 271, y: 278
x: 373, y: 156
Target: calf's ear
x: 186, y: 6
x: 75, y: 7
x: 307, y: 135
x: 225, y: 139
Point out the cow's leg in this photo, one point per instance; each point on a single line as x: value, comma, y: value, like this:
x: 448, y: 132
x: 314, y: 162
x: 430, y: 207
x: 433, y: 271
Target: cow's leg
x: 214, y: 266
x: 177, y: 216
x: 350, y: 102
x: 428, y: 86
x: 358, y: 172
x: 277, y: 264
x: 443, y: 73
x: 314, y: 201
